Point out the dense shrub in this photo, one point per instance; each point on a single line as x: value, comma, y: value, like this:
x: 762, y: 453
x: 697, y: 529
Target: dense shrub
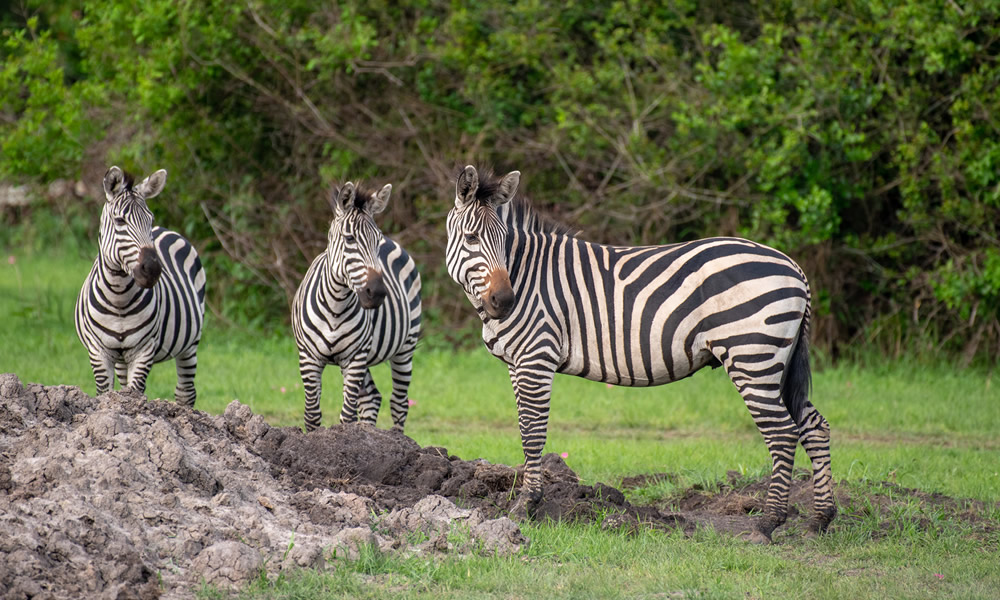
x: 860, y: 137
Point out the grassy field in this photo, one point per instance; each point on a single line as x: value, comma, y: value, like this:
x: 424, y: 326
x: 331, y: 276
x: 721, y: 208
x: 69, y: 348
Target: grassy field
x: 921, y: 426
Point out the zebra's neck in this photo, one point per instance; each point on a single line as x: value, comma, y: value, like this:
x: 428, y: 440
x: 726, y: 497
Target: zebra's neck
x: 118, y: 287
x: 339, y: 295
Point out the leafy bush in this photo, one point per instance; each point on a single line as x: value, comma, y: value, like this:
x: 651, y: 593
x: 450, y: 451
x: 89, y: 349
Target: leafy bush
x: 860, y: 138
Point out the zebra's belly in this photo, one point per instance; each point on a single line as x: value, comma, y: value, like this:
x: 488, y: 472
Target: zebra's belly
x: 635, y: 367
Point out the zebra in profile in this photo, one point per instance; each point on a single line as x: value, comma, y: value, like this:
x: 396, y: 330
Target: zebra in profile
x: 144, y: 299
x: 358, y: 305
x: 639, y: 316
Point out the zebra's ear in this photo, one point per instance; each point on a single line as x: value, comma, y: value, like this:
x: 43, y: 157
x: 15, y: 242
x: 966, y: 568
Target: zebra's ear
x: 343, y: 198
x: 114, y: 179
x: 152, y: 185
x: 381, y: 200
x: 508, y: 186
x: 466, y: 186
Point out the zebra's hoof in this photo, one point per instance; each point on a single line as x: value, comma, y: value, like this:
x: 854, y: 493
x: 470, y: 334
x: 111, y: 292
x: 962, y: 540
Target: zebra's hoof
x: 819, y: 523
x: 524, y: 507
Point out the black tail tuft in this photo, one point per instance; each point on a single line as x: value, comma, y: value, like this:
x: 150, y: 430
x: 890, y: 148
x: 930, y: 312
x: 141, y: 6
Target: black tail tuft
x: 798, y: 381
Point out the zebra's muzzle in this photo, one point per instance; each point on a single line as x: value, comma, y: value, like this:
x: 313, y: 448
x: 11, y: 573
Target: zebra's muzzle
x: 147, y: 271
x: 498, y: 300
x: 372, y: 294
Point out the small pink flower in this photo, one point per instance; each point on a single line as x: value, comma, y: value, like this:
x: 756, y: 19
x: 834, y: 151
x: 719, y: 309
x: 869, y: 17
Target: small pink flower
x: 11, y: 260
x: 610, y: 386
x: 939, y: 576
x: 565, y: 455
x: 283, y: 390
x: 411, y: 402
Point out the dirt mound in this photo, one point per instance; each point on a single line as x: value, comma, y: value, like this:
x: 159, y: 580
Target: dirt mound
x: 120, y: 497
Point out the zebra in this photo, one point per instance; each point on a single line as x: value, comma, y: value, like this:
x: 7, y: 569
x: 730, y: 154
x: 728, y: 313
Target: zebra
x: 358, y: 305
x: 144, y: 299
x: 639, y: 316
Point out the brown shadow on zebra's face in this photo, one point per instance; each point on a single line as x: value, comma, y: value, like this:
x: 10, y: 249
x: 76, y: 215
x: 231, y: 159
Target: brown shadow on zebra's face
x: 498, y: 297
x: 372, y: 294
x: 147, y: 271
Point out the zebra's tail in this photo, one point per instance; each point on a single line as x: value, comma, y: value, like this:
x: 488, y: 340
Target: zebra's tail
x: 798, y: 381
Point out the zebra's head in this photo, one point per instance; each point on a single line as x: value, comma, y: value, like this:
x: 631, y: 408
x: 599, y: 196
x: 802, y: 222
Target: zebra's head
x: 477, y: 238
x: 126, y: 240
x: 354, y: 241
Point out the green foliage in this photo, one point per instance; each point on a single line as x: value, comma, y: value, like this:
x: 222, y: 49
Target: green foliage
x: 858, y: 137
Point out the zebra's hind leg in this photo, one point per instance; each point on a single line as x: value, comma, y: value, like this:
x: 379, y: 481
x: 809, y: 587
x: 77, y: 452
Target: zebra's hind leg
x: 369, y: 401
x: 760, y: 385
x: 402, y: 372
x: 187, y: 366
x: 311, y: 371
x: 814, y: 433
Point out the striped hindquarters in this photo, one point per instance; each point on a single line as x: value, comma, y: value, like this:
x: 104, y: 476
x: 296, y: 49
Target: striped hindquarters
x: 182, y: 294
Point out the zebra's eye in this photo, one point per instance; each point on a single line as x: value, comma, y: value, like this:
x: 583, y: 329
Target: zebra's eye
x: 471, y: 238
x: 349, y: 238
x: 119, y: 221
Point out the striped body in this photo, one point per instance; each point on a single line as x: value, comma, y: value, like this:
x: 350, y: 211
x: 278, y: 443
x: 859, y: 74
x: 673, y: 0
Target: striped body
x: 126, y: 328
x: 639, y: 316
x: 332, y: 326
x: 648, y: 315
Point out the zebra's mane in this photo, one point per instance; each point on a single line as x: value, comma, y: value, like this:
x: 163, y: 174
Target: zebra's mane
x: 524, y: 216
x: 128, y: 180
x: 362, y: 195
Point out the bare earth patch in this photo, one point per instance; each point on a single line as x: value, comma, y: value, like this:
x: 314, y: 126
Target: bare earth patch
x: 123, y: 497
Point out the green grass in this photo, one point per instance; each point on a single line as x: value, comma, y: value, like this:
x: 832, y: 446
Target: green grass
x: 920, y: 425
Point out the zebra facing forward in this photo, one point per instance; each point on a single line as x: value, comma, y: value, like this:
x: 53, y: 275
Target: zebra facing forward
x: 144, y: 299
x: 641, y: 316
x: 358, y: 305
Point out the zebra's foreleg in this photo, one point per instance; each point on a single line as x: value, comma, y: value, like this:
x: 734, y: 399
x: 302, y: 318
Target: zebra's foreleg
x: 814, y: 434
x: 121, y: 372
x: 354, y: 385
x: 104, y: 370
x: 187, y: 365
x: 402, y: 372
x: 139, y: 365
x: 370, y: 401
x: 532, y: 389
x: 311, y: 371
